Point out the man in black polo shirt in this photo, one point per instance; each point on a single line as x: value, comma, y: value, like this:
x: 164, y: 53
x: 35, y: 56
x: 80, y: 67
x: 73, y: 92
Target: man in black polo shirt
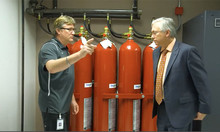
x: 56, y: 75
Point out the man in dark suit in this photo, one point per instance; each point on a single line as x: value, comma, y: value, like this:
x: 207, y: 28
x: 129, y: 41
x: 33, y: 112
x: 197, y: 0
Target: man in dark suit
x: 181, y: 92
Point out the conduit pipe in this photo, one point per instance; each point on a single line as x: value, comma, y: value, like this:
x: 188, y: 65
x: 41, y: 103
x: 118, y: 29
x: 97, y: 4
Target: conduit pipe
x: 117, y: 35
x: 136, y: 33
x: 92, y: 13
x: 42, y: 11
x: 39, y: 22
x: 179, y: 12
x: 89, y: 29
x: 48, y: 25
x: 54, y: 4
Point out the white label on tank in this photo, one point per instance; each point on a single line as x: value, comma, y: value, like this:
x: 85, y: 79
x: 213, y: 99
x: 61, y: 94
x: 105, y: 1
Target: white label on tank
x: 112, y: 85
x: 137, y: 86
x: 87, y: 118
x: 88, y: 85
x: 106, y: 43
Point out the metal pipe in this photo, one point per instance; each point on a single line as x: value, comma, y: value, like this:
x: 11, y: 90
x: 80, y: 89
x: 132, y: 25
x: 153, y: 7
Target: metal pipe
x: 33, y: 3
x: 179, y: 18
x: 135, y: 5
x: 87, y: 11
x: 91, y: 13
x: 54, y: 4
x: 179, y: 4
x: 96, y: 13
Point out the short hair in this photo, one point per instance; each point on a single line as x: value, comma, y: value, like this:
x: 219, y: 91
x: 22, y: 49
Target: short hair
x: 60, y: 21
x: 165, y: 24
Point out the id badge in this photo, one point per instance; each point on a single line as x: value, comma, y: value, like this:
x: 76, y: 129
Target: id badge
x: 60, y: 123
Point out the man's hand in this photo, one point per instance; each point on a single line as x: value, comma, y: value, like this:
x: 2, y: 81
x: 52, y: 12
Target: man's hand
x: 200, y: 116
x: 75, y: 107
x: 88, y: 48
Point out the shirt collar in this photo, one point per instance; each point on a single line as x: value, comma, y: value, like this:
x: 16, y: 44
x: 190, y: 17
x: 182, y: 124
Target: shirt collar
x: 59, y: 44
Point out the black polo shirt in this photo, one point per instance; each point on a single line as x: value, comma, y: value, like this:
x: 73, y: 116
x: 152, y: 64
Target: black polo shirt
x: 55, y: 89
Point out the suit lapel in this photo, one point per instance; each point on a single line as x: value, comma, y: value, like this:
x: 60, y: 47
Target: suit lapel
x: 156, y: 59
x: 172, y: 58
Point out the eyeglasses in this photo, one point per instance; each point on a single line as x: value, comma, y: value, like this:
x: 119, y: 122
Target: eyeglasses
x: 69, y: 29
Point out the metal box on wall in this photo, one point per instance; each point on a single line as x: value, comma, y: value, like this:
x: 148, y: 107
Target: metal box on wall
x: 203, y: 31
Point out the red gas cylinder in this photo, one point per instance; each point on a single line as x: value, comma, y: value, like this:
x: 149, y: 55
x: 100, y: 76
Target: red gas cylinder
x: 147, y: 123
x: 105, y: 77
x: 129, y: 86
x: 82, y: 90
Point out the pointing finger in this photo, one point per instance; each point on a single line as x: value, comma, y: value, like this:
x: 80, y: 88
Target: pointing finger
x: 90, y: 41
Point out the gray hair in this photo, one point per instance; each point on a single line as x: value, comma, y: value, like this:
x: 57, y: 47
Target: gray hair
x: 165, y: 24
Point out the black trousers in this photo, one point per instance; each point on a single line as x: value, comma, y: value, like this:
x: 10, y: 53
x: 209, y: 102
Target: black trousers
x: 50, y: 121
x: 163, y: 122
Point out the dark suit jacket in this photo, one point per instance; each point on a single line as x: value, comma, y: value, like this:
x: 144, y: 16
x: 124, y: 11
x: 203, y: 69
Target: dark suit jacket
x: 186, y: 89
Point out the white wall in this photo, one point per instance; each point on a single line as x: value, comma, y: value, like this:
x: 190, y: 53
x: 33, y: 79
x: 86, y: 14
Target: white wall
x: 10, y: 65
x: 30, y: 77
